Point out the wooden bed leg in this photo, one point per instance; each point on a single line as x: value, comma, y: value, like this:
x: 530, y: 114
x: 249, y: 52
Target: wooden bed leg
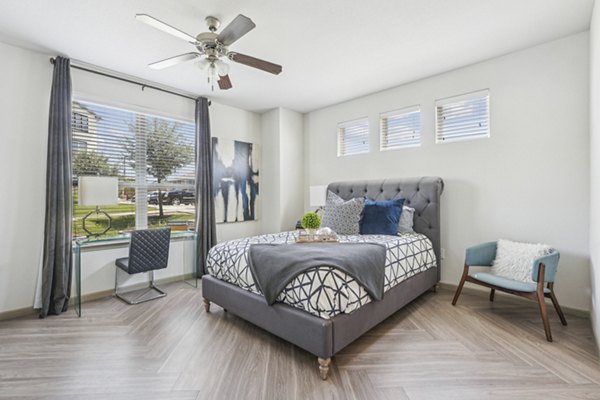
x: 206, y: 304
x: 434, y: 288
x: 324, y: 364
x: 492, y: 293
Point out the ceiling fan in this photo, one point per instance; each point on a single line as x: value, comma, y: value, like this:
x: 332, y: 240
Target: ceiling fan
x: 212, y: 47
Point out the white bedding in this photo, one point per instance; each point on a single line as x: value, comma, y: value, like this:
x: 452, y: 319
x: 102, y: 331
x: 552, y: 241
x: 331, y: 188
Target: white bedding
x: 324, y: 291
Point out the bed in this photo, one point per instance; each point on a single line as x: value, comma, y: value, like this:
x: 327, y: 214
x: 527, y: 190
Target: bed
x: 323, y: 328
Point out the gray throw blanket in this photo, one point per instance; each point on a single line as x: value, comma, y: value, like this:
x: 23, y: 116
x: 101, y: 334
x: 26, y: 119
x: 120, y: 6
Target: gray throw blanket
x: 273, y: 266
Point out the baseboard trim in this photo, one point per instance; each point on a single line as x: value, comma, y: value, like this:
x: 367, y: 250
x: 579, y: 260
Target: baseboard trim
x: 27, y: 311
x: 19, y: 312
x: 479, y: 290
x: 30, y: 311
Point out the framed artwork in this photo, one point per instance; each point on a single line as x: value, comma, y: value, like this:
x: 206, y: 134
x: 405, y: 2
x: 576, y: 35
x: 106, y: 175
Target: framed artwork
x: 235, y: 180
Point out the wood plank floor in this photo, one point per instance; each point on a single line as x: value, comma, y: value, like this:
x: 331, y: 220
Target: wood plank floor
x: 172, y: 349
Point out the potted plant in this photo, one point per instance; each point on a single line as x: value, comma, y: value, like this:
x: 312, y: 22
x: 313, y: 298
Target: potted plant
x: 311, y: 222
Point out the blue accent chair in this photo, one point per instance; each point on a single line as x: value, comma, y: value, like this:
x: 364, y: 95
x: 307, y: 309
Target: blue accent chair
x: 543, y: 274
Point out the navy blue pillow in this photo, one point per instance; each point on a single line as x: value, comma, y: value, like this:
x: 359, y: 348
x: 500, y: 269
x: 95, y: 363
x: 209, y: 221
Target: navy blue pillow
x: 381, y: 217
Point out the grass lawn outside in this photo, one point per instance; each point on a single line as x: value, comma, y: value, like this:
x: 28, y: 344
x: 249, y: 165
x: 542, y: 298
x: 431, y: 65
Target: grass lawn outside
x: 121, y: 208
x: 123, y: 219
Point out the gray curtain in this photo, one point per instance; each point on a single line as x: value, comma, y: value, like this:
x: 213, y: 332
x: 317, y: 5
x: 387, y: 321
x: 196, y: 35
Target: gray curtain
x: 57, y: 259
x: 205, y: 202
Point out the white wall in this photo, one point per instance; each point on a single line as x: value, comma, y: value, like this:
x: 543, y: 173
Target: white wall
x: 25, y: 79
x: 595, y: 167
x: 270, y: 171
x: 528, y: 182
x: 291, y: 168
x: 282, y: 131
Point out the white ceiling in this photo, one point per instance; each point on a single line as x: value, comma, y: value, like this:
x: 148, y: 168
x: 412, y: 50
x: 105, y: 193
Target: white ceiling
x: 331, y: 50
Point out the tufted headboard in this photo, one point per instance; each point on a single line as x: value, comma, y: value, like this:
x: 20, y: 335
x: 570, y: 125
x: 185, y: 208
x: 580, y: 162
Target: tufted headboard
x: 422, y: 194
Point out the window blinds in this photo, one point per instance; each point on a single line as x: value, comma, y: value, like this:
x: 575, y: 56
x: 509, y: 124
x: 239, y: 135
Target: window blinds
x: 353, y: 137
x: 462, y: 117
x: 400, y: 129
x: 142, y: 150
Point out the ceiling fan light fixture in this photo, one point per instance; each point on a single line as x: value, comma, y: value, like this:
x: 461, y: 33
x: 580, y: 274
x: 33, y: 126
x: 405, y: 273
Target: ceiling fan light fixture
x: 203, y: 64
x: 222, y: 67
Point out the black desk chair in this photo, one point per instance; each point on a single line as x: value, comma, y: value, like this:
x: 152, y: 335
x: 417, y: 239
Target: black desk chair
x: 148, y: 251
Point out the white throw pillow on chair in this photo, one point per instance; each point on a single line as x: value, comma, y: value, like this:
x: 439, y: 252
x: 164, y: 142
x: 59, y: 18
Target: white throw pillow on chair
x: 514, y: 260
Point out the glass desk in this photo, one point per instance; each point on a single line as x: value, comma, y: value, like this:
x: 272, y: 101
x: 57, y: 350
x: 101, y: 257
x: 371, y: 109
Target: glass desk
x: 190, y: 275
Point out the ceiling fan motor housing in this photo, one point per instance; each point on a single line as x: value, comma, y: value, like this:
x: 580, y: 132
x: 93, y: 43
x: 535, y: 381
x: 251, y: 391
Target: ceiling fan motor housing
x: 209, y: 45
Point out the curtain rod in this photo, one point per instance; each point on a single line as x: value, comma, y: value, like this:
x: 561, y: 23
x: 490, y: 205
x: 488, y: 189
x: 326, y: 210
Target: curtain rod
x: 143, y: 85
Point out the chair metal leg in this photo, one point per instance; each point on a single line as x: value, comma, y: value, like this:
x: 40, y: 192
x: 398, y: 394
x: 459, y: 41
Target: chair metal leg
x: 460, y: 285
x: 563, y: 320
x: 492, y: 293
x: 136, y: 300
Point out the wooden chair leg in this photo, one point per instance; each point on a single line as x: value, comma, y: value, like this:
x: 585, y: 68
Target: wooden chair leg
x: 544, y: 313
x: 492, y: 293
x: 460, y: 285
x: 542, y: 302
x: 563, y: 320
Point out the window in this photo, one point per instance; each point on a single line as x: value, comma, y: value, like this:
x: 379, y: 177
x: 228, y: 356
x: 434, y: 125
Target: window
x: 80, y: 122
x: 463, y: 117
x: 153, y: 157
x: 353, y: 137
x: 400, y: 129
x: 79, y: 145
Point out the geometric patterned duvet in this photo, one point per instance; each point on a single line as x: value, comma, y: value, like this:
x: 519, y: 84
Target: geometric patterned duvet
x: 324, y: 291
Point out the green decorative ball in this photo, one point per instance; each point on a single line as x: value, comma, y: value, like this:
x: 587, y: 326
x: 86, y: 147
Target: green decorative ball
x: 311, y: 220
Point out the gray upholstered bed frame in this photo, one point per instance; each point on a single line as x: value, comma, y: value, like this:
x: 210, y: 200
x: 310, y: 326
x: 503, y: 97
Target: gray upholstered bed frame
x: 323, y: 337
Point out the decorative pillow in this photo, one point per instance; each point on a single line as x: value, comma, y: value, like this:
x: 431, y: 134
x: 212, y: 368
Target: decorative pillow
x: 342, y: 216
x: 406, y: 220
x: 381, y: 217
x: 514, y: 260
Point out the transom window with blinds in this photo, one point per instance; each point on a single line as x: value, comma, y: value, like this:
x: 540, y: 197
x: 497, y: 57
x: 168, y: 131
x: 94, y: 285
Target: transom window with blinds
x: 152, y: 156
x: 353, y: 137
x: 463, y: 117
x: 400, y: 129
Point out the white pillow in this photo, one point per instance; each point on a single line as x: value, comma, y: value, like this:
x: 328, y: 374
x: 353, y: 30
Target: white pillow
x: 405, y: 224
x: 514, y: 260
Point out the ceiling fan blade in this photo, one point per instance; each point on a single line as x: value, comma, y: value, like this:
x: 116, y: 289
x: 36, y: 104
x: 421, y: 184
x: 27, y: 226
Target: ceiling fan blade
x: 153, y: 22
x: 169, y: 62
x: 255, y: 63
x: 235, y: 30
x: 224, y: 82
